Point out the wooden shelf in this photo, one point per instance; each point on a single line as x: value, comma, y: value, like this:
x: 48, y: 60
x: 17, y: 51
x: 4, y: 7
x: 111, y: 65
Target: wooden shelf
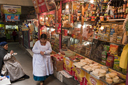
x: 113, y: 20
x: 104, y: 3
x: 116, y: 19
x: 67, y: 28
x: 50, y: 27
x: 111, y: 42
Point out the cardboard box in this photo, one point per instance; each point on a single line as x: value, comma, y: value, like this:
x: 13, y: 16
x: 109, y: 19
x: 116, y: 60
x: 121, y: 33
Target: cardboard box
x: 58, y: 75
x: 58, y: 65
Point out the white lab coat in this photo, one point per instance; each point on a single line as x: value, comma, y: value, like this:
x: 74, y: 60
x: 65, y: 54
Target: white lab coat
x: 42, y: 65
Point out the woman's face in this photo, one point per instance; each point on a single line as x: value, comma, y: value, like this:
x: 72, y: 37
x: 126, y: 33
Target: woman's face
x: 43, y: 40
x: 5, y: 47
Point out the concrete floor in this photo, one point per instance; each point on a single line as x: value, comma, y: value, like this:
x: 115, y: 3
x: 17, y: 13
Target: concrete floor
x: 26, y: 62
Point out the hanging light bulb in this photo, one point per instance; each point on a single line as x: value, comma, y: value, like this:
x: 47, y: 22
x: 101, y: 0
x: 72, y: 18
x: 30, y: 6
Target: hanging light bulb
x: 41, y: 18
x: 102, y: 27
x: 46, y: 18
x: 67, y: 6
x: 52, y: 29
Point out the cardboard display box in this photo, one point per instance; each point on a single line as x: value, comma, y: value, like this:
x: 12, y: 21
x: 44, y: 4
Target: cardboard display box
x: 58, y: 65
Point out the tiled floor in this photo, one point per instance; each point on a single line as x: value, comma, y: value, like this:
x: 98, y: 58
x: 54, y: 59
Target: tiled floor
x: 26, y: 62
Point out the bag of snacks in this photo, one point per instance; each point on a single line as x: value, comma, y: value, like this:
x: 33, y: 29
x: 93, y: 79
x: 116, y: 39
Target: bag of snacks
x: 106, y: 48
x: 110, y: 60
x: 113, y: 49
x: 116, y: 63
x: 103, y: 62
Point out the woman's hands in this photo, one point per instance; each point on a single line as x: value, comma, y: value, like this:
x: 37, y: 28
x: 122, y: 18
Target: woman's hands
x: 42, y: 53
x: 11, y: 52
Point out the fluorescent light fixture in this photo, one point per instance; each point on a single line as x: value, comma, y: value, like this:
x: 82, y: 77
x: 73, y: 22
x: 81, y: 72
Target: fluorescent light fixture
x: 52, y: 29
x: 84, y: 26
x: 48, y: 28
x: 79, y: 25
x: 86, y: 43
x: 91, y: 1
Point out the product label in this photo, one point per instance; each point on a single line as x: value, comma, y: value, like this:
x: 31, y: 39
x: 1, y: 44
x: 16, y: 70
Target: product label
x: 93, y: 81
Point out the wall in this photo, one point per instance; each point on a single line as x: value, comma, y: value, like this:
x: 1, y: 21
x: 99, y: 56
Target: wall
x: 17, y: 2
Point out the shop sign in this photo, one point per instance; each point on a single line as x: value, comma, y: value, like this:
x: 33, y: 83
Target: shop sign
x: 12, y: 17
x: 8, y: 9
x: 25, y: 29
x: 44, y: 5
x: 35, y: 3
x: 40, y: 6
x: 51, y: 5
x: 93, y: 81
x: 65, y: 1
x: 48, y: 13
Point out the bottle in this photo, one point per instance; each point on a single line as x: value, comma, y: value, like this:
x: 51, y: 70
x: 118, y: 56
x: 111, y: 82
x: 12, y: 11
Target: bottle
x: 124, y: 6
x: 121, y: 15
x: 124, y: 15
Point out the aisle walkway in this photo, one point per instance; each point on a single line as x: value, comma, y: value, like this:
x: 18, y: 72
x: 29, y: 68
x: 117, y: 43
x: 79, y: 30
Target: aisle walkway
x: 26, y: 62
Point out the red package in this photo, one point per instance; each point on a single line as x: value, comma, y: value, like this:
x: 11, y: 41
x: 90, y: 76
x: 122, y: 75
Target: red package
x: 110, y: 61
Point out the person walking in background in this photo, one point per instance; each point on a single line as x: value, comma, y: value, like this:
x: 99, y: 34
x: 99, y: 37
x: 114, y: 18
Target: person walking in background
x: 42, y: 62
x: 14, y: 34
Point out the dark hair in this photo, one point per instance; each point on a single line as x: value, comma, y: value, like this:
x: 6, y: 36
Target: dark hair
x: 43, y: 36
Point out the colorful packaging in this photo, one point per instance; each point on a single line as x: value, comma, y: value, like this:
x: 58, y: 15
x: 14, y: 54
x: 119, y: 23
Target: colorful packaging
x: 116, y: 63
x: 119, y: 39
x: 103, y: 62
x: 104, y: 55
x: 124, y: 71
x: 114, y: 49
x: 112, y: 31
x: 106, y: 48
x: 110, y: 60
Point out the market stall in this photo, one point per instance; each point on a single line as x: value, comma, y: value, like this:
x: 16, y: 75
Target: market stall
x: 90, y: 36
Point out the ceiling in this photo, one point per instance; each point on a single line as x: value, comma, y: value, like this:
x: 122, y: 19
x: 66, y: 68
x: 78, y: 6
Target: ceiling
x: 17, y: 2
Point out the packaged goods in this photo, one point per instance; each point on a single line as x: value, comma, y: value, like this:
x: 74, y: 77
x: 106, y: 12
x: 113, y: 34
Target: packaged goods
x: 58, y: 62
x: 124, y: 71
x: 114, y: 37
x: 110, y: 60
x: 103, y: 62
x: 112, y: 31
x: 69, y: 53
x: 119, y: 39
x: 106, y: 48
x: 113, y: 78
x: 104, y: 55
x: 116, y: 63
x: 114, y: 49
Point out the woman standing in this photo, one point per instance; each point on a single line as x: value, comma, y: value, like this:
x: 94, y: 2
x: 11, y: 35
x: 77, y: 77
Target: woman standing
x: 42, y: 63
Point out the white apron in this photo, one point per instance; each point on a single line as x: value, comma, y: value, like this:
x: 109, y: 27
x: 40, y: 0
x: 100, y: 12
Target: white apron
x: 42, y: 65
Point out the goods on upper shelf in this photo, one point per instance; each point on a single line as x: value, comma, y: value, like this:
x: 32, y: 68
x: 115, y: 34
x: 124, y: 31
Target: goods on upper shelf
x: 55, y: 43
x: 110, y: 33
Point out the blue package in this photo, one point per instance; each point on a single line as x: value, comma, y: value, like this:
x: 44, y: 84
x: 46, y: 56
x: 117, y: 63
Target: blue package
x: 112, y: 31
